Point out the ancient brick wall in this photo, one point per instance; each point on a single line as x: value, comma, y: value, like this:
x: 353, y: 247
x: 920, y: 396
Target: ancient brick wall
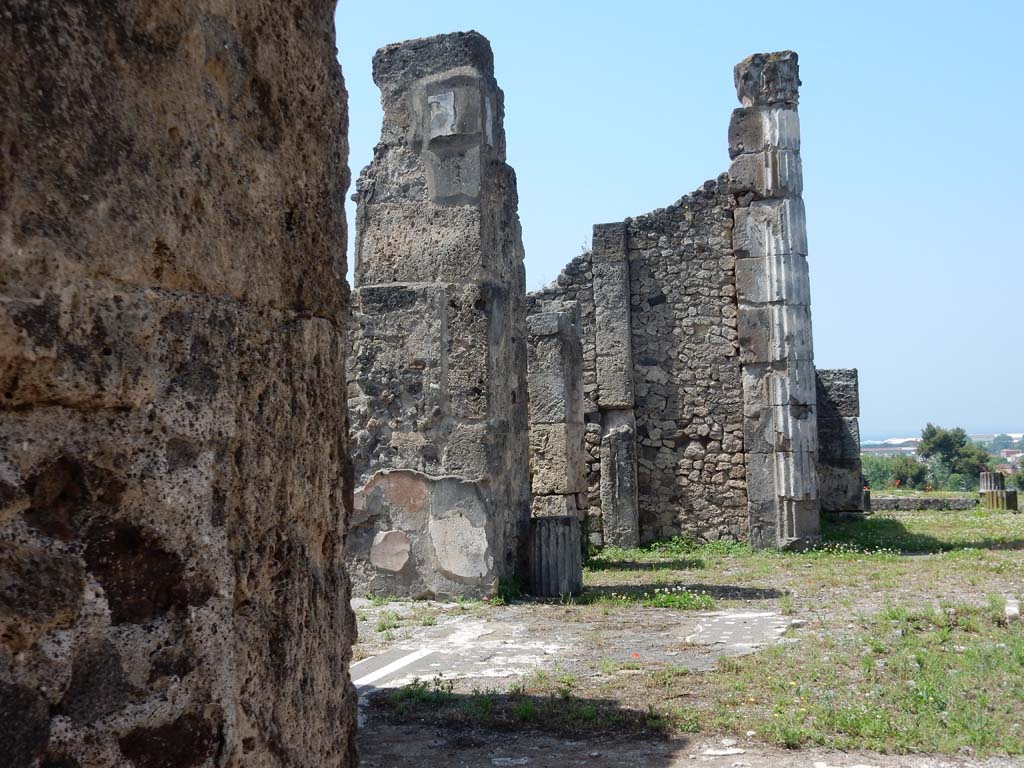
x: 173, y: 466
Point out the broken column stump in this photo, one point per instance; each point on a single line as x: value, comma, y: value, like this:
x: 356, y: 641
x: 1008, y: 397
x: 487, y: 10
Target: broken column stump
x: 437, y: 376
x: 773, y: 291
x: 992, y: 481
x: 174, y: 482
x: 556, y: 556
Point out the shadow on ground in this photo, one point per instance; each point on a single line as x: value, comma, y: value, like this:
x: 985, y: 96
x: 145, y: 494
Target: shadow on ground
x: 885, y: 533
x: 406, y: 726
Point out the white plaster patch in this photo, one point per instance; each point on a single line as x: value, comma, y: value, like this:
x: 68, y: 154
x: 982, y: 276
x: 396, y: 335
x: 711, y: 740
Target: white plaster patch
x: 460, y: 547
x: 390, y: 550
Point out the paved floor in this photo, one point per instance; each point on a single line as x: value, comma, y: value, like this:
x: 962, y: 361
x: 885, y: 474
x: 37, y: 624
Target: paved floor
x: 468, y: 647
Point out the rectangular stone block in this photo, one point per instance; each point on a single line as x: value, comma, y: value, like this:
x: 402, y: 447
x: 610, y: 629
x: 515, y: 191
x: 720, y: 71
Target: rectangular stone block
x: 781, y: 428
x: 783, y: 277
x: 838, y: 392
x: 770, y: 227
x: 839, y: 442
x: 608, y: 242
x: 555, y: 370
x: 612, y: 334
x: 776, y: 333
x: 555, y: 505
x: 801, y: 522
x: 619, y: 508
x: 557, y: 459
x: 796, y: 475
x: 840, y: 489
x: 772, y: 173
x: 755, y: 129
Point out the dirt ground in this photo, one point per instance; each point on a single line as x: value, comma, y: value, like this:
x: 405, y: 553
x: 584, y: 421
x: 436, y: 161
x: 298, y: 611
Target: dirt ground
x: 579, y: 683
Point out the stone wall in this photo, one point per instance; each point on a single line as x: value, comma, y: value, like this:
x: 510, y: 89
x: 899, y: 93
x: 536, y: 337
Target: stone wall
x: 173, y: 466
x: 438, y: 369
x: 840, y: 480
x: 721, y: 391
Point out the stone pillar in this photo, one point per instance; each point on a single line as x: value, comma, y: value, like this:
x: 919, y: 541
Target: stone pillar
x: 994, y: 494
x: 173, y: 460
x: 557, y: 455
x: 438, y: 372
x: 773, y: 292
x: 556, y: 556
x: 614, y: 361
x: 840, y: 480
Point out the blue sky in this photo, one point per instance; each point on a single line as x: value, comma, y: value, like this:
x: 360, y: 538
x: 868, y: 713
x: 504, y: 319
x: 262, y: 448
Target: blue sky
x: 912, y: 151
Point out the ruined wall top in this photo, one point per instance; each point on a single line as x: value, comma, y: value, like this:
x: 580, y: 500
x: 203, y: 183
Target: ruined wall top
x: 398, y: 64
x: 768, y: 79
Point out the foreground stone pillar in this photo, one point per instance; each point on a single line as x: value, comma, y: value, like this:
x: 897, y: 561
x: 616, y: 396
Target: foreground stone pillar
x: 438, y: 372
x: 773, y: 291
x: 173, y: 471
x: 557, y: 456
x: 840, y: 479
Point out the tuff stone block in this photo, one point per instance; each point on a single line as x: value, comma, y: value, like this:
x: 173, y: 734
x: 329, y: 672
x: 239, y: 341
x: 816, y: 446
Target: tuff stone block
x: 768, y: 228
x: 839, y: 442
x: 619, y: 487
x: 780, y: 278
x: 756, y: 129
x: 557, y: 458
x: 772, y: 173
x: 838, y: 392
x: 768, y: 79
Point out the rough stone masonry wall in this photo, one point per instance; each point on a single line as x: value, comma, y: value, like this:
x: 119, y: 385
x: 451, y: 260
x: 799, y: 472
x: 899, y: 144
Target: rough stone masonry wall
x: 438, y: 371
x: 685, y: 369
x: 173, y: 470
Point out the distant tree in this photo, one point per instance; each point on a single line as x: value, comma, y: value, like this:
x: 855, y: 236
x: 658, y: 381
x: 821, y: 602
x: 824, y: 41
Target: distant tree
x: 944, y: 444
x: 971, y: 460
x: 910, y: 472
x: 1017, y: 480
x: 877, y: 470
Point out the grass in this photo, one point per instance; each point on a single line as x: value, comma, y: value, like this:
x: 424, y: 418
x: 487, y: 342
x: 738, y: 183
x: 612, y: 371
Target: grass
x: 897, y: 653
x: 905, y: 680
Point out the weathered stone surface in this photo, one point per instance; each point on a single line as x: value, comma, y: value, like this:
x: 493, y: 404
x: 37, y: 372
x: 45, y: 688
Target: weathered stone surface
x: 618, y: 488
x: 767, y: 79
x: 556, y: 556
x: 839, y: 461
x: 555, y: 505
x: 437, y: 377
x: 557, y: 461
x: 612, y: 317
x: 839, y: 442
x: 755, y: 129
x: 999, y: 499
x: 838, y: 392
x: 172, y: 453
x: 554, y: 364
x: 769, y: 228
